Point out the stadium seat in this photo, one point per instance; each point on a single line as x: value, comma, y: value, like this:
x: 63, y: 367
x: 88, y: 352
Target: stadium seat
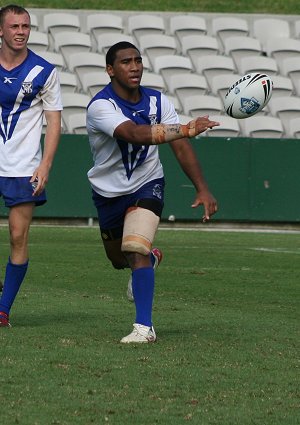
x: 97, y: 23
x: 212, y: 65
x: 157, y: 44
x: 285, y: 107
x: 196, y: 46
x: 221, y: 83
x: 290, y: 67
x: 260, y: 126
x: 140, y: 24
x: 174, y: 99
x: 56, y: 59
x: 38, y: 41
x: 68, y: 82
x: 282, y: 86
x: 261, y: 64
x: 184, y: 119
x: 154, y: 81
x: 229, y: 127
x: 198, y: 105
x: 76, y: 123
x: 171, y: 64
x: 185, y: 84
x: 228, y: 26
x: 82, y: 62
x: 92, y: 82
x: 73, y: 103
x: 266, y: 28
x: 34, y: 23
x: 240, y: 46
x: 182, y: 25
x: 107, y: 39
x: 281, y: 48
x: 293, y: 128
x: 68, y: 42
x: 60, y: 21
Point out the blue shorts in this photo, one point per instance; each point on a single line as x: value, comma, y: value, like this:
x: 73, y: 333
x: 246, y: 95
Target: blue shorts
x: 112, y: 211
x: 19, y: 190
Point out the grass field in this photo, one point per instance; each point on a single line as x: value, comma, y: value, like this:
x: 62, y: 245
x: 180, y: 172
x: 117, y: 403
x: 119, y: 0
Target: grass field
x: 226, y: 314
x: 202, y: 6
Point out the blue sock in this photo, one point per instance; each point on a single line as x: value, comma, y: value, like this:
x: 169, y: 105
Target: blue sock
x: 143, y: 292
x: 14, y: 277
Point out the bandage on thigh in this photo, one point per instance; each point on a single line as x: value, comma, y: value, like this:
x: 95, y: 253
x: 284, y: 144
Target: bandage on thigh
x: 139, y: 230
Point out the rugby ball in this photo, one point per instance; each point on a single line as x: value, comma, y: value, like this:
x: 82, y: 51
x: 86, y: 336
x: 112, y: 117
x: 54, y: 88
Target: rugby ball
x: 249, y: 95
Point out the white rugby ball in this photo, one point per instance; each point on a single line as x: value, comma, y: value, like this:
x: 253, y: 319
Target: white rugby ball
x: 249, y: 95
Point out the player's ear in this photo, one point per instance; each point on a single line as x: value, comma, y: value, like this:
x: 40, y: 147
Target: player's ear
x: 110, y: 70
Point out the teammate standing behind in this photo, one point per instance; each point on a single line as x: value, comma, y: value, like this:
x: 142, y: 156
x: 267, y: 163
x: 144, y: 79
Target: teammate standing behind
x: 126, y: 122
x: 29, y: 89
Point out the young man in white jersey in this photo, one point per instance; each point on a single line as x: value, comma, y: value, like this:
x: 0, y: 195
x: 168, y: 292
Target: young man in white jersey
x: 29, y: 90
x: 126, y: 122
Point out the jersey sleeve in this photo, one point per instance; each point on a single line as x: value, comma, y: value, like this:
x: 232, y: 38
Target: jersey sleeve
x: 51, y: 93
x: 168, y: 112
x: 105, y: 116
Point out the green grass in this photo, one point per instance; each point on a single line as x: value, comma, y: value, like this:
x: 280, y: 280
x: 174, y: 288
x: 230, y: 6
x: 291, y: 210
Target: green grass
x: 226, y: 315
x: 199, y: 6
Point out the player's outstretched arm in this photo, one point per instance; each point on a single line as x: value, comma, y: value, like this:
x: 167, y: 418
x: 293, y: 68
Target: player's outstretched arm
x: 161, y: 133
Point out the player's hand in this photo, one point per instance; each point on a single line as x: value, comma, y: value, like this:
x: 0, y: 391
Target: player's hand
x: 200, y: 124
x: 209, y: 202
x: 39, y: 180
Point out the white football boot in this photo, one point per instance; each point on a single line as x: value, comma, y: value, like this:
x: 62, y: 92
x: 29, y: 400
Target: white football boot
x: 141, y: 335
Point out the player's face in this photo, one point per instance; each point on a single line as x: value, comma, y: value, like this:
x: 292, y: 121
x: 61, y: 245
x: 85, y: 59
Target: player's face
x: 127, y: 69
x: 15, y: 31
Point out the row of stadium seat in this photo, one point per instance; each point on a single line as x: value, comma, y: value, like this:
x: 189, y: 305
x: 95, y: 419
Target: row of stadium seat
x: 190, y: 69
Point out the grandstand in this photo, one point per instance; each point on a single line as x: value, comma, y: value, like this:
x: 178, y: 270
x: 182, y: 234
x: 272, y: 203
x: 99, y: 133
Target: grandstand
x: 213, y: 49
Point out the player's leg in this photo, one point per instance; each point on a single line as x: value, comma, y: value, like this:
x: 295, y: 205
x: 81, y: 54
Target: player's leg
x: 140, y: 226
x: 20, y: 217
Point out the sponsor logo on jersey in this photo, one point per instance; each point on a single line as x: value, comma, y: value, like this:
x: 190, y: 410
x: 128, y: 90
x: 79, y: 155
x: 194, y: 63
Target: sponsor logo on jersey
x: 8, y: 80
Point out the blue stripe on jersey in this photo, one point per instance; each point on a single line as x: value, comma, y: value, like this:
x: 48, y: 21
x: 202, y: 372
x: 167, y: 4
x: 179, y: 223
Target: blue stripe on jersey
x: 146, y: 111
x: 18, y: 88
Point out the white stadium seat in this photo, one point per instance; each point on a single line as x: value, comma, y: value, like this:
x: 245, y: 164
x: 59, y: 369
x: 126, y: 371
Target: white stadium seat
x: 184, y: 84
x: 93, y: 82
x: 68, y: 42
x: 82, y: 62
x: 240, y: 46
x: 171, y: 64
x: 182, y: 25
x: 38, y: 41
x: 196, y: 106
x: 107, y: 39
x: 261, y: 64
x: 60, y: 21
x: 140, y: 24
x: 281, y: 48
x: 76, y: 123
x: 56, y: 59
x: 260, y: 126
x: 229, y: 127
x: 154, y: 81
x: 157, y: 44
x: 266, y: 28
x: 196, y: 46
x: 221, y: 83
x: 228, y: 26
x: 68, y: 82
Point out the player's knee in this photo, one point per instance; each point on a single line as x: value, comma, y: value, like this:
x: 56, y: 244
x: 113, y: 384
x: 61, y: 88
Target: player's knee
x: 139, y: 230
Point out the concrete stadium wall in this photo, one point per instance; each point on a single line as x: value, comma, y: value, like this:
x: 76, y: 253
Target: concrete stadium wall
x: 253, y: 180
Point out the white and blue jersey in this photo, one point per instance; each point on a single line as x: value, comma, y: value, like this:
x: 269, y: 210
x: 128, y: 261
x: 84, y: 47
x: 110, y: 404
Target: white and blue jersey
x: 121, y: 168
x: 25, y: 92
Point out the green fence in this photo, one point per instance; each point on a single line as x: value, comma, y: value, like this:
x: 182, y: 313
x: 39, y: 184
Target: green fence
x: 253, y: 180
